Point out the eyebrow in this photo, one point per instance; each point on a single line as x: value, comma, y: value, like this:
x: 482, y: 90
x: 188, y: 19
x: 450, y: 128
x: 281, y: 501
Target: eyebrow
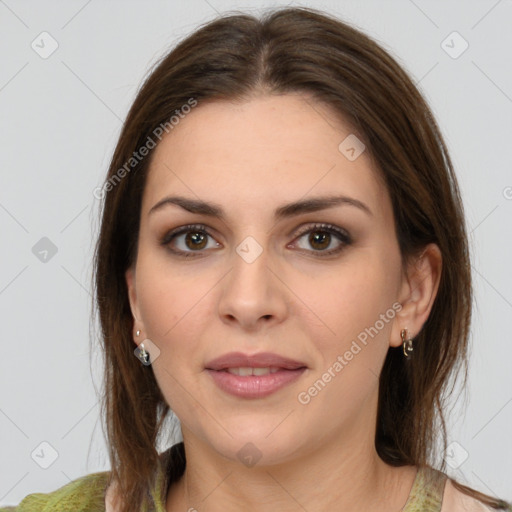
x: 288, y: 210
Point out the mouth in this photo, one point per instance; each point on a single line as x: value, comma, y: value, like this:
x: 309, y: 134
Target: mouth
x: 253, y: 376
x: 254, y: 383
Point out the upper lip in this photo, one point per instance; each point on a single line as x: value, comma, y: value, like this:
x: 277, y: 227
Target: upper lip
x: 261, y: 360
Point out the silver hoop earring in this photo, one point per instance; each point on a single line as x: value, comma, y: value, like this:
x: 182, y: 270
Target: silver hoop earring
x: 406, y: 343
x: 142, y: 354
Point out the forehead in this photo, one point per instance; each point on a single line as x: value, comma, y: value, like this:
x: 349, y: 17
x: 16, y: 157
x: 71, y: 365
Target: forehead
x: 267, y: 150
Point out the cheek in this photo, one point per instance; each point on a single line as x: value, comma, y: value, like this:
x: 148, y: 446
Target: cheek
x: 175, y: 306
x: 356, y: 315
x: 348, y: 300
x: 173, y: 309
x: 355, y: 306
x: 167, y: 293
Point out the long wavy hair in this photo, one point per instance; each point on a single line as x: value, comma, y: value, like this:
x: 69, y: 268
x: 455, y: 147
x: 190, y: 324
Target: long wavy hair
x: 290, y: 50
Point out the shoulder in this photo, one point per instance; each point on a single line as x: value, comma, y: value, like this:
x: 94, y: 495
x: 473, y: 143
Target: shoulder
x: 455, y: 500
x: 435, y: 491
x: 85, y: 494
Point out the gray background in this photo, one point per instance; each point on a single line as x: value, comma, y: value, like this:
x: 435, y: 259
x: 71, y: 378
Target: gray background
x: 59, y: 120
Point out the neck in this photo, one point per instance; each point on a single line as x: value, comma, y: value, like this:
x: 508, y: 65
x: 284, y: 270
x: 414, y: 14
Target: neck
x: 334, y: 475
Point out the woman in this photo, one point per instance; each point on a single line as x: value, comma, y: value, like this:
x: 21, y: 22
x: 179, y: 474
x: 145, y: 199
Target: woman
x: 283, y: 250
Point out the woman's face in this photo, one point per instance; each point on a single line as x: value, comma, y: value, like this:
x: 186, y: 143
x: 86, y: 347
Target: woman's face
x: 252, y: 282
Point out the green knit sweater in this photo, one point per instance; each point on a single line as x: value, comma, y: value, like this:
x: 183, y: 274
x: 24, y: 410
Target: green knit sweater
x: 87, y: 494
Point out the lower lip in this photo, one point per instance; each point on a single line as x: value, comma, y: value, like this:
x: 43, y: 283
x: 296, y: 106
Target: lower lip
x: 254, y: 386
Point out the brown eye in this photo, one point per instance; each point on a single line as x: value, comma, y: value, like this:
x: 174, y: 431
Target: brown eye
x: 319, y: 239
x: 187, y: 240
x: 196, y: 240
x: 321, y: 236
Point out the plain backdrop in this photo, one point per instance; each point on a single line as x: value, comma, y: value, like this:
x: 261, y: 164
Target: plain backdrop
x: 60, y: 116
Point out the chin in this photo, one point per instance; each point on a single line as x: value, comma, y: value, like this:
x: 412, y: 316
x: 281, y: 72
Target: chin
x: 257, y: 447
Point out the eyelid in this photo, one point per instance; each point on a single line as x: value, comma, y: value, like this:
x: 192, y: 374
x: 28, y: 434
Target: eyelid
x: 311, y: 226
x: 169, y: 235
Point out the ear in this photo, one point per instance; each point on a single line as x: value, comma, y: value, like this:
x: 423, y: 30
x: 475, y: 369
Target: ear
x: 132, y: 297
x: 417, y: 294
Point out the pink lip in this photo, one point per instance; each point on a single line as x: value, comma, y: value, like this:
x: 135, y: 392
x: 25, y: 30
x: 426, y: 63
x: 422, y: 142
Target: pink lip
x: 261, y: 360
x: 254, y: 386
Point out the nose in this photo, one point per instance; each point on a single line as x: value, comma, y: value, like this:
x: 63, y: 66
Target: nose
x: 253, y: 294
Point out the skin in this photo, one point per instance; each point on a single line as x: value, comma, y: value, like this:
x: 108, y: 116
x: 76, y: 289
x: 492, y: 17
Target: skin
x: 250, y: 159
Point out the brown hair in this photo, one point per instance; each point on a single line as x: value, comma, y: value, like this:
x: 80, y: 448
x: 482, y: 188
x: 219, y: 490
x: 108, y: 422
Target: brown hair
x: 293, y: 50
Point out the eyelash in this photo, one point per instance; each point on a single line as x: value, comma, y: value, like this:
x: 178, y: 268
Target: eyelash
x: 341, y: 234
